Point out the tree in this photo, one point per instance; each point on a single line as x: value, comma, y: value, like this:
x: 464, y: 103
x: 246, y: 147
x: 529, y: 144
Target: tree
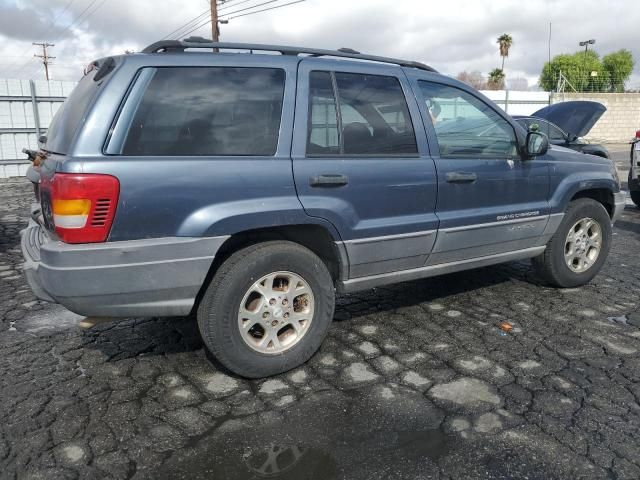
x: 583, y: 71
x: 618, y: 66
x: 473, y: 79
x: 496, y: 79
x: 504, y: 44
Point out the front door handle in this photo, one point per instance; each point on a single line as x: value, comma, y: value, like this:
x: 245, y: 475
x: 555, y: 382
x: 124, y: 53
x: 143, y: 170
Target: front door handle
x: 461, y: 177
x: 328, y: 180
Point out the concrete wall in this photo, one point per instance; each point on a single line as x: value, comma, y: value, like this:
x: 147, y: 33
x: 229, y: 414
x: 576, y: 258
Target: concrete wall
x: 516, y: 102
x: 621, y: 120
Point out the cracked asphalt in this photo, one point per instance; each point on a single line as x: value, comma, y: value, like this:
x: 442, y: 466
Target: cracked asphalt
x: 414, y: 381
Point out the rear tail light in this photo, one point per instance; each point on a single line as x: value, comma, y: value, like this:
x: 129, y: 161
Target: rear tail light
x: 82, y: 205
x: 638, y: 134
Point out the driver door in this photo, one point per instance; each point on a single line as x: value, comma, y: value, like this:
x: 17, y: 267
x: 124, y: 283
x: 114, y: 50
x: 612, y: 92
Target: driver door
x: 490, y: 201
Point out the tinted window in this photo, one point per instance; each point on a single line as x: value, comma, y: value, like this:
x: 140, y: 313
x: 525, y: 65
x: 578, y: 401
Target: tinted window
x: 208, y: 111
x: 69, y: 118
x: 373, y: 113
x: 375, y: 116
x: 466, y: 126
x: 323, y: 124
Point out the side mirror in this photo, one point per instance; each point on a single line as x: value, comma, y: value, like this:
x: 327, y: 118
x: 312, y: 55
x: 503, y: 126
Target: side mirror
x: 536, y: 144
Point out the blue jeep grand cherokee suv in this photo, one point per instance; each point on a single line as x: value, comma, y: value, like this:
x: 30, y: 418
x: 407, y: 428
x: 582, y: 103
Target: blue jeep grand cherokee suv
x: 249, y: 187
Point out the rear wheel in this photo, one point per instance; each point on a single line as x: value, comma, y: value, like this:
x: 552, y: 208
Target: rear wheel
x: 579, y: 248
x: 267, y: 309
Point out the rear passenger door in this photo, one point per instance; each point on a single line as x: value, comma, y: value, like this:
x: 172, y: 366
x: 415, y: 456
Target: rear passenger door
x: 361, y: 161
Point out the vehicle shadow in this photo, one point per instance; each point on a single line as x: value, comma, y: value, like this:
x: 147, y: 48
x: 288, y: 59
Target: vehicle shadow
x: 129, y: 338
x: 122, y: 339
x: 628, y: 226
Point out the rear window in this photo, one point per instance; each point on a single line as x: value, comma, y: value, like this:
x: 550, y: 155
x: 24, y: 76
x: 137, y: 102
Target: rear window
x: 208, y: 111
x: 71, y: 115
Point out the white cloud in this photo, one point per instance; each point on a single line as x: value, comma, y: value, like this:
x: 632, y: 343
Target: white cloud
x: 452, y: 36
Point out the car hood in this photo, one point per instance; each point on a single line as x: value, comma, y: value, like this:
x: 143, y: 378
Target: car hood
x: 576, y: 118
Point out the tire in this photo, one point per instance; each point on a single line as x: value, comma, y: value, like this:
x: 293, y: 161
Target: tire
x: 634, y: 190
x: 250, y: 352
x: 552, y: 265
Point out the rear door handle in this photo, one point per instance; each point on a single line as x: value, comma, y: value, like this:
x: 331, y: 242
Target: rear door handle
x: 461, y: 177
x: 328, y: 180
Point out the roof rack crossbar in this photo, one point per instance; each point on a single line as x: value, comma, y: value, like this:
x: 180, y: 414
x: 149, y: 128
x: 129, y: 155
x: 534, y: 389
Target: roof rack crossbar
x: 199, y: 42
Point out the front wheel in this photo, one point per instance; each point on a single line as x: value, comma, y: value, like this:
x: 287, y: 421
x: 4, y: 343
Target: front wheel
x: 267, y: 309
x: 579, y: 248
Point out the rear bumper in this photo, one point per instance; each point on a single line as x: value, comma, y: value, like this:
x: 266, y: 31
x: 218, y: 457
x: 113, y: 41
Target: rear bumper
x: 153, y: 277
x: 619, y: 201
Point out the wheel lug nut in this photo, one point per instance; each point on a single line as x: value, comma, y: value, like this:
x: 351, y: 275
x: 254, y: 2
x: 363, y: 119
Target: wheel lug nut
x: 274, y: 323
x: 285, y: 302
x: 272, y: 301
x: 286, y: 315
x: 265, y: 315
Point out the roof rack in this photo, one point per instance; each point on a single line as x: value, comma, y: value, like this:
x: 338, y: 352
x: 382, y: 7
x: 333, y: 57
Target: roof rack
x: 199, y: 42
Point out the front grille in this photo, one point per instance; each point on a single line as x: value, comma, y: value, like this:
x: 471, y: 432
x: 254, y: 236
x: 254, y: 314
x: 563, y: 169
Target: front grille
x: 101, y: 212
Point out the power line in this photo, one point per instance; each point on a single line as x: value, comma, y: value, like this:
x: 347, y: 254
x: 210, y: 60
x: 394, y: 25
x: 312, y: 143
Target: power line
x: 252, y: 6
x: 64, y: 10
x: 266, y: 9
x: 202, y: 24
x: 188, y: 24
x: 73, y: 22
x: 226, y: 5
x: 222, y: 4
x: 79, y: 17
x: 197, y: 27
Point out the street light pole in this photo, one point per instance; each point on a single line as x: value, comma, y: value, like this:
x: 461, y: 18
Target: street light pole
x: 585, y: 44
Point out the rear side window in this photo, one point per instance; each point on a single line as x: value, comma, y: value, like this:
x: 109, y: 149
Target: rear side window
x: 208, y: 111
x: 70, y: 117
x: 323, y: 137
x: 358, y: 114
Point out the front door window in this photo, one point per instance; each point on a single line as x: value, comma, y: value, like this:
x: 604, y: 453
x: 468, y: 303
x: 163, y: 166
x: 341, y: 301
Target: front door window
x: 465, y: 126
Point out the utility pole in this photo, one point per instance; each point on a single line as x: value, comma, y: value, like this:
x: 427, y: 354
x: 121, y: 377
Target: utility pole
x: 46, y: 59
x: 215, y: 32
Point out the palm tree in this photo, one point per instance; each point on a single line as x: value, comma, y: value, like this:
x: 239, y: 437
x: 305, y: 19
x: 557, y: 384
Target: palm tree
x: 504, y: 41
x: 496, y: 79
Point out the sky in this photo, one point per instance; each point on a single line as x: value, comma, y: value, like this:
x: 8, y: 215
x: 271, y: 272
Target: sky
x: 452, y: 35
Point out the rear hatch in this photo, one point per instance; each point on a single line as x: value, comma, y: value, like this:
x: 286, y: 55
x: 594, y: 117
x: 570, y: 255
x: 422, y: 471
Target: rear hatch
x: 71, y: 115
x: 66, y: 124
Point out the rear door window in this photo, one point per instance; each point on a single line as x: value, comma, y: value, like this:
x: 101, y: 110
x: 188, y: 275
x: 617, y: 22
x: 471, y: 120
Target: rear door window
x: 323, y: 136
x: 208, y: 111
x: 358, y: 114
